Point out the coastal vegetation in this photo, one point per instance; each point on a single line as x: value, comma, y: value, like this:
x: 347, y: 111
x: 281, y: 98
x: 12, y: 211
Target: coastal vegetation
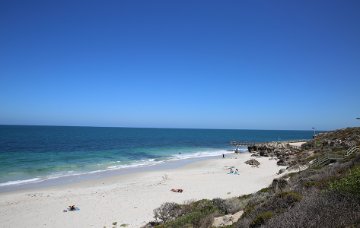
x: 320, y: 188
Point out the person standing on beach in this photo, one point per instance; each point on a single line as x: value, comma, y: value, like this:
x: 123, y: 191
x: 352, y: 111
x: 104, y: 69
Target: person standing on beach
x: 223, y: 155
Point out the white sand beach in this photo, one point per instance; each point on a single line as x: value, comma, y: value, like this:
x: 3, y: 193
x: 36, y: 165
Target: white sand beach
x: 130, y: 199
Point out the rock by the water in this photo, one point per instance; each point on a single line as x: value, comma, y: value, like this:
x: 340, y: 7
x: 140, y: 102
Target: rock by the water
x: 253, y: 162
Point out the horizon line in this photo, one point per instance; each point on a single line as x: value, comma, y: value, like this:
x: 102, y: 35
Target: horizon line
x: 184, y: 128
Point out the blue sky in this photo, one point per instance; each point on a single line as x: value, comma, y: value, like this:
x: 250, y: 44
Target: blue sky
x: 193, y: 64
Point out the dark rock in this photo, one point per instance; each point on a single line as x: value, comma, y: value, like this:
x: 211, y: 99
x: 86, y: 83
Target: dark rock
x: 253, y: 162
x: 279, y: 184
x: 282, y: 162
x: 281, y: 171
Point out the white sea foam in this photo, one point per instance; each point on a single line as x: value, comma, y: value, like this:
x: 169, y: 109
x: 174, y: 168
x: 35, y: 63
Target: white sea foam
x: 183, y: 156
x: 135, y: 164
x: 18, y: 182
x: 149, y: 162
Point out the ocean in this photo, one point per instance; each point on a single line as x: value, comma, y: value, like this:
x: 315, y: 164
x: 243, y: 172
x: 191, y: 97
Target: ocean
x: 31, y: 154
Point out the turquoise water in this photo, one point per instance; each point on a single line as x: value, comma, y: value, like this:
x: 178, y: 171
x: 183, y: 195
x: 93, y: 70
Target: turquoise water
x: 36, y: 153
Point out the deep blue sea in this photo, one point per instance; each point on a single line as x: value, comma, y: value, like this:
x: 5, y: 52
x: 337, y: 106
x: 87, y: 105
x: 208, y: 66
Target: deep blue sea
x: 37, y: 153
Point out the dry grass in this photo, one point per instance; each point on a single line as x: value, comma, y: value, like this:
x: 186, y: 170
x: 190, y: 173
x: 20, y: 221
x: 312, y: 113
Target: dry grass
x: 319, y: 210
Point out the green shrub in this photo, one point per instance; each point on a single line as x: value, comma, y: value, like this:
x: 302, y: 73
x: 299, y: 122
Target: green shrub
x: 167, y: 212
x: 279, y: 202
x: 261, y: 218
x: 265, y: 189
x: 350, y: 184
x: 318, y: 143
x: 192, y: 219
x: 185, y: 220
x: 220, y: 204
x: 279, y: 184
x: 312, y: 157
x: 320, y: 209
x: 229, y: 206
x: 290, y: 175
x: 196, y: 214
x: 245, y: 196
x: 320, y: 184
x: 248, y: 209
x: 290, y: 197
x: 204, y: 206
x: 255, y: 201
x: 310, y: 184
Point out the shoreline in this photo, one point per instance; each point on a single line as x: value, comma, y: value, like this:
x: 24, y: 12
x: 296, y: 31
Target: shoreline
x: 98, y: 174
x: 130, y: 198
x: 170, y: 163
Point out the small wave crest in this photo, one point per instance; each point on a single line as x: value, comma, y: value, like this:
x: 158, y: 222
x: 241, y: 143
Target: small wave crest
x: 18, y: 182
x: 116, y: 166
x: 149, y: 162
x: 200, y: 154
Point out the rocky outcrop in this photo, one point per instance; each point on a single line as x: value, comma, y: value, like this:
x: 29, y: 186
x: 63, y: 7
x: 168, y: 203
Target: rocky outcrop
x: 253, y: 162
x: 337, y: 142
x: 281, y: 150
x: 227, y: 220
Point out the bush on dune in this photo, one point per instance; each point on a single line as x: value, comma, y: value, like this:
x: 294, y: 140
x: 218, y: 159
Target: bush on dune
x: 265, y: 204
x: 230, y: 206
x: 319, y: 210
x: 290, y: 197
x: 348, y: 185
x: 196, y: 214
x: 261, y: 218
x: 167, y: 212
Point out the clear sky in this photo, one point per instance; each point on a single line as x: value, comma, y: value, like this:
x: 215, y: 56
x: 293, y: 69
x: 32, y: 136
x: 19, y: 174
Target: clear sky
x: 193, y: 64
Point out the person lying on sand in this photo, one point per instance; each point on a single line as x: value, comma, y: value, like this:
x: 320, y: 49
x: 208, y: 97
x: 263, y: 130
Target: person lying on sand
x: 233, y: 172
x: 177, y: 190
x: 72, y: 208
